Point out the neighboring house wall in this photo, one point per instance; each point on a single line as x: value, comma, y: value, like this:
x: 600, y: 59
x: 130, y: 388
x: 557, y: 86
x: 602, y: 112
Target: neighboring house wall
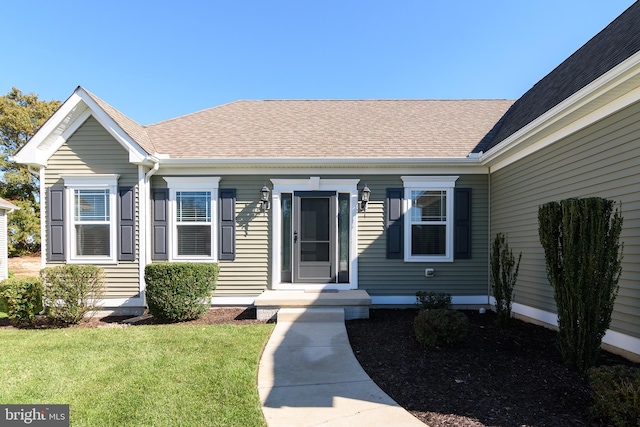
x: 600, y: 160
x: 4, y: 268
x: 92, y: 150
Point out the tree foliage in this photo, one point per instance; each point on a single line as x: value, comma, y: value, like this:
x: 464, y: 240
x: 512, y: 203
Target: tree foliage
x: 21, y: 115
x: 581, y: 241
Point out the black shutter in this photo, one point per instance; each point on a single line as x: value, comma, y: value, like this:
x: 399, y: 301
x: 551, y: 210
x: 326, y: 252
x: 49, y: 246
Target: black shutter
x: 55, y: 223
x: 127, y: 224
x: 395, y: 223
x: 159, y: 223
x: 227, y: 235
x: 462, y: 223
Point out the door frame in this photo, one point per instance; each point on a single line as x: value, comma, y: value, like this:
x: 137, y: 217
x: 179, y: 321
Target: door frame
x: 314, y: 183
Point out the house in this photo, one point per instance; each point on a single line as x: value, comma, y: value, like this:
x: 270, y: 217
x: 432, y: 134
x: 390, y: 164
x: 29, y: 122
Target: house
x: 387, y: 197
x: 5, y: 208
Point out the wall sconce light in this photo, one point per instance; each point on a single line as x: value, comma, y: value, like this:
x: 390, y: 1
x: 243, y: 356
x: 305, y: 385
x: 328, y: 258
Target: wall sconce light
x: 264, y: 198
x: 364, y: 198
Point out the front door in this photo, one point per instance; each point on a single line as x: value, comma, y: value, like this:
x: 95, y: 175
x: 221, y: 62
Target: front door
x: 314, y: 237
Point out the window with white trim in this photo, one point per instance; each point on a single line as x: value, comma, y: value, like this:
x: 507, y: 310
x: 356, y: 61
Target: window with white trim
x: 429, y: 218
x: 193, y: 215
x: 91, y: 201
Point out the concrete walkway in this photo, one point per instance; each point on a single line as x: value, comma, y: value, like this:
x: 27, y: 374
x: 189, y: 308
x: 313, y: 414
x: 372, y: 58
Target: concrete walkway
x: 309, y: 376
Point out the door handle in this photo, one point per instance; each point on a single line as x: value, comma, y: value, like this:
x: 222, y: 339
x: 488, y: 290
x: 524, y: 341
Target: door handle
x: 295, y: 237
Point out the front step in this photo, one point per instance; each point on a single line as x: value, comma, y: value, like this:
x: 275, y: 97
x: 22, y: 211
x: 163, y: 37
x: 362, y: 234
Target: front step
x: 355, y: 303
x: 313, y: 314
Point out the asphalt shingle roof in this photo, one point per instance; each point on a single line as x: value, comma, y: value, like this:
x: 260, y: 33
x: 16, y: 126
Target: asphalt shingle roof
x: 338, y: 129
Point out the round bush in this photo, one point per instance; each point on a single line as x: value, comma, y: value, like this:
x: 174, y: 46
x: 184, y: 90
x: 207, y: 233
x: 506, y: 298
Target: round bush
x: 440, y: 327
x: 178, y: 291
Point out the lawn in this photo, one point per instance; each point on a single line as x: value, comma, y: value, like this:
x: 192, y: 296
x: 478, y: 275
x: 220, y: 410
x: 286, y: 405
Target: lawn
x: 161, y: 375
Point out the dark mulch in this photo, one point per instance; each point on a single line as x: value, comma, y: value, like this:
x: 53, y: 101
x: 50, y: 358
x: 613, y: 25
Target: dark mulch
x: 495, y: 378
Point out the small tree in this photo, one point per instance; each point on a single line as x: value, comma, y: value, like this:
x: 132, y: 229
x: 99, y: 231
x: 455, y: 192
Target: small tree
x: 503, y: 278
x: 581, y: 241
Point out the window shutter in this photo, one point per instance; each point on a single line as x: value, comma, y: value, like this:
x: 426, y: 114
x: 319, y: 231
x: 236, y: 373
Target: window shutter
x: 227, y: 235
x: 127, y: 224
x: 462, y: 223
x: 395, y: 223
x: 159, y: 223
x: 55, y: 223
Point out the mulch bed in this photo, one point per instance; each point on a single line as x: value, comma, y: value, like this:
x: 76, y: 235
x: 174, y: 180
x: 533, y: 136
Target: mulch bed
x: 511, y: 377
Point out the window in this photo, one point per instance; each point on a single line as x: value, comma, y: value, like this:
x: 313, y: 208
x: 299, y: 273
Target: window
x: 429, y: 212
x: 193, y: 215
x: 193, y: 223
x: 92, y: 236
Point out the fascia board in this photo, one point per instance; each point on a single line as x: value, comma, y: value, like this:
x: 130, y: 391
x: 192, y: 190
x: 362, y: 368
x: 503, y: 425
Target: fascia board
x: 621, y: 82
x: 30, y: 154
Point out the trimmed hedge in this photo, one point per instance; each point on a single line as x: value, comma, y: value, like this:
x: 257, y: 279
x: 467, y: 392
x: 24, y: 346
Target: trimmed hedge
x: 71, y: 291
x: 178, y: 291
x: 440, y: 327
x: 22, y: 298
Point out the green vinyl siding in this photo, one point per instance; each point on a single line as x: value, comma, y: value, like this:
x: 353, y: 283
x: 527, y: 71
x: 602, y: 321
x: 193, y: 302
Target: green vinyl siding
x: 92, y: 150
x: 381, y: 276
x: 600, y: 160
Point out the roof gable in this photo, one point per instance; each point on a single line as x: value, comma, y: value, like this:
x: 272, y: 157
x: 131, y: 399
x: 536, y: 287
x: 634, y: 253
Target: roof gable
x: 70, y: 116
x: 613, y: 45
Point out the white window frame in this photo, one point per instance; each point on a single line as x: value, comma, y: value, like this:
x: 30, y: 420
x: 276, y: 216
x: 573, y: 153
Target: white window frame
x: 428, y: 183
x: 73, y: 182
x: 191, y: 183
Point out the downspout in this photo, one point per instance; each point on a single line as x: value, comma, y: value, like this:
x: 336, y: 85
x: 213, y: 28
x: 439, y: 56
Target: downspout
x: 145, y: 258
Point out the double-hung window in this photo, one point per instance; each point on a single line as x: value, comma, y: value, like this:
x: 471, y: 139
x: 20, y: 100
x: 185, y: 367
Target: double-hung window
x: 193, y: 216
x: 92, y: 236
x: 429, y: 218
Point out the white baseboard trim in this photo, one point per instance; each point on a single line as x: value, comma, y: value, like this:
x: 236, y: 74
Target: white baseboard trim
x: 121, y: 302
x: 232, y: 301
x: 612, y: 338
x: 411, y: 300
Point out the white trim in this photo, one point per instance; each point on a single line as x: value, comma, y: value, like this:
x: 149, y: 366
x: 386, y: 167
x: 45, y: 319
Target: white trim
x: 411, y: 300
x: 227, y: 301
x: 428, y: 183
x: 73, y: 182
x: 119, y: 302
x: 613, y: 91
x: 613, y: 338
x: 312, y: 184
x: 191, y: 183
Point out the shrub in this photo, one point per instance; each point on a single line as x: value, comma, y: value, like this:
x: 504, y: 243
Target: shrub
x: 440, y: 326
x: 178, y: 291
x: 22, y: 298
x: 581, y: 241
x: 72, y: 291
x: 429, y: 300
x: 503, y: 278
x: 615, y: 391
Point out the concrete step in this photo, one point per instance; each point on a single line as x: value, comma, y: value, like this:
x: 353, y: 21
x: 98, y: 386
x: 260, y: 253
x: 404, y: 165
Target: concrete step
x: 312, y: 314
x: 354, y: 303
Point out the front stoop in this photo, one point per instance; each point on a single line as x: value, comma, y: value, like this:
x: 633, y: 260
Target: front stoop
x: 355, y: 303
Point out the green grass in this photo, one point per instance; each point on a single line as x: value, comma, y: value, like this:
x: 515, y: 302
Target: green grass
x: 167, y: 375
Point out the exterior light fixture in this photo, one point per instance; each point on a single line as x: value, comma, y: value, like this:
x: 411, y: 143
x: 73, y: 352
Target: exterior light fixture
x: 364, y: 198
x: 264, y: 198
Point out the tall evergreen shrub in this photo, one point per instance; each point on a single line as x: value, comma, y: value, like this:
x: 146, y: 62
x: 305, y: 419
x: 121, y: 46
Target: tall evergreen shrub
x: 504, y: 274
x: 581, y: 241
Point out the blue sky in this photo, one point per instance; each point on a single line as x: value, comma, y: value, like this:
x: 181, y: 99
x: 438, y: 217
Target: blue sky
x: 155, y: 60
